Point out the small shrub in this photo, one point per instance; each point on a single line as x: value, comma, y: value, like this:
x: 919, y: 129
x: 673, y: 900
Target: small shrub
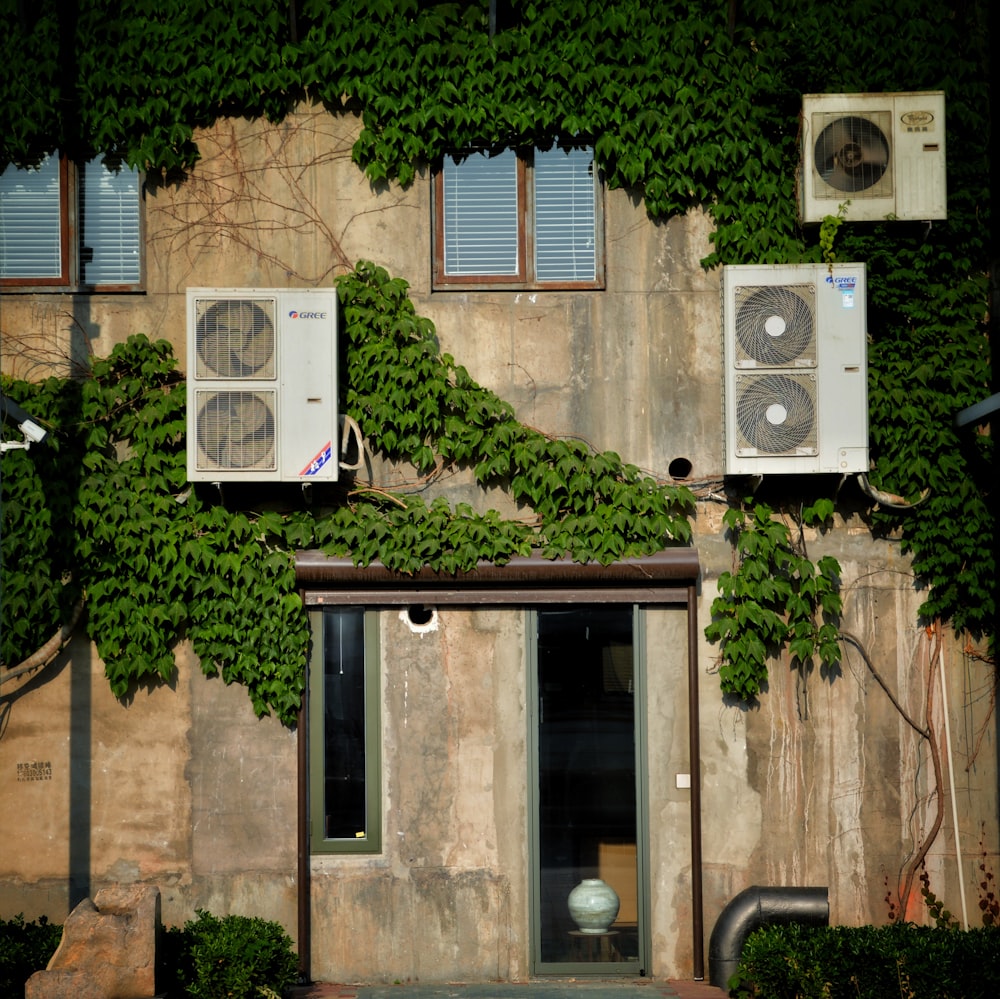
x: 24, y: 949
x: 235, y: 957
x: 780, y: 961
x: 869, y: 962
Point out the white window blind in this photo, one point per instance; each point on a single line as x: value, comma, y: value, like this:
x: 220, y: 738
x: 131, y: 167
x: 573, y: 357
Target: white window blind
x: 480, y: 215
x: 565, y: 203
x: 109, y: 209
x: 30, y: 223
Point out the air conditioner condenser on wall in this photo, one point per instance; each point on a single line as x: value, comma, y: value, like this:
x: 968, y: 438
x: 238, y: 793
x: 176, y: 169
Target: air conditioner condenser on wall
x: 262, y: 385
x: 883, y: 153
x: 795, y: 395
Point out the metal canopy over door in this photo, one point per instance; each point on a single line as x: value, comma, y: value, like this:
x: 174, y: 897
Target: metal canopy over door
x: 588, y: 799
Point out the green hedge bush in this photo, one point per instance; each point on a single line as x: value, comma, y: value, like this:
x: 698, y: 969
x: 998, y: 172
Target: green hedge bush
x: 235, y: 957
x: 24, y: 949
x: 869, y: 962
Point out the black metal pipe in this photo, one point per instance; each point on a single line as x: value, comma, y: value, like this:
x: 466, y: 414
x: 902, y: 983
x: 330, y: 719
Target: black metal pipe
x: 302, y: 836
x: 694, y: 753
x: 755, y: 907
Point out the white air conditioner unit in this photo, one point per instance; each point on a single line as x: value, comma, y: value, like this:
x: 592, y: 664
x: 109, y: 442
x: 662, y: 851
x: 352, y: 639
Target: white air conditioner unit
x: 795, y: 394
x: 885, y: 153
x: 262, y: 385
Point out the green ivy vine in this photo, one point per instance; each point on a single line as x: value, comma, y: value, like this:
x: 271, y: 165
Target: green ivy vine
x: 102, y: 513
x: 102, y: 510
x: 828, y: 234
x: 416, y: 405
x: 688, y: 103
x: 775, y: 598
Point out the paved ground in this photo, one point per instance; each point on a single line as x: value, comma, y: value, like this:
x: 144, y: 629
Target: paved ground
x: 564, y: 988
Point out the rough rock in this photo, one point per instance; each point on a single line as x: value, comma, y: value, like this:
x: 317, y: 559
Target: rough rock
x: 108, y: 948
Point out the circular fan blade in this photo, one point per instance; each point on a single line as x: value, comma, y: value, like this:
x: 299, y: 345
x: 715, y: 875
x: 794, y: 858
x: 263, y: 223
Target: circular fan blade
x: 775, y: 413
x: 774, y: 325
x: 235, y: 339
x: 851, y: 154
x: 236, y: 430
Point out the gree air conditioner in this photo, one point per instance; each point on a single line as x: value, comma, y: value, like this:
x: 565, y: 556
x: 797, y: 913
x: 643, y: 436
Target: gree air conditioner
x: 262, y: 385
x: 883, y: 153
x: 795, y: 397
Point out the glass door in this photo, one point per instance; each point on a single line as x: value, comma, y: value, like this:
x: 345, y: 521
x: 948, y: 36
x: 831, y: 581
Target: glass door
x: 587, y: 798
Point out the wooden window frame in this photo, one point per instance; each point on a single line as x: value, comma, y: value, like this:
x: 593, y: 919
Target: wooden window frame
x: 71, y: 236
x: 524, y: 278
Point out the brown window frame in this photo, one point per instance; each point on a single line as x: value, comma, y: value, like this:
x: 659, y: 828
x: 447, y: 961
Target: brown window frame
x: 71, y: 235
x: 524, y: 279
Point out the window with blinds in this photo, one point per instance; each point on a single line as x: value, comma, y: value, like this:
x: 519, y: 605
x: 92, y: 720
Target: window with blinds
x: 31, y: 222
x: 481, y: 215
x: 109, y: 212
x: 518, y: 220
x: 70, y: 227
x: 565, y: 215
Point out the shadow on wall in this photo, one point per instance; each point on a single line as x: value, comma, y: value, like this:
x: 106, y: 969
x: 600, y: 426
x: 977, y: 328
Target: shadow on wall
x: 81, y: 697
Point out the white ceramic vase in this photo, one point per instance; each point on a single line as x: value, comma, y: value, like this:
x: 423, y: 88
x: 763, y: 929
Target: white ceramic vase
x: 593, y: 904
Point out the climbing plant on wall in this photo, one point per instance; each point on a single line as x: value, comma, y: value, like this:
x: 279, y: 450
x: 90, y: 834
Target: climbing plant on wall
x: 103, y: 508
x: 688, y: 103
x: 776, y: 598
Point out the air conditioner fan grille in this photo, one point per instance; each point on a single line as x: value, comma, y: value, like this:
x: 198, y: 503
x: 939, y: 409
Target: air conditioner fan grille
x: 235, y: 339
x: 851, y: 154
x: 775, y: 325
x: 236, y: 431
x: 776, y: 414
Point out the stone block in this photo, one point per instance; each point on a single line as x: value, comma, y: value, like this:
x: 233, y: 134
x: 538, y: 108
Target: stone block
x: 108, y: 948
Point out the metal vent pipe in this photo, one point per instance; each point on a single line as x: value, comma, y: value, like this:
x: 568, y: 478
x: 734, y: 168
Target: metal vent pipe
x: 755, y: 907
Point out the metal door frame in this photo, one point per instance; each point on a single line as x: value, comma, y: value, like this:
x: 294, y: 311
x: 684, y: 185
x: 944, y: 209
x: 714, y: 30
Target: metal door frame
x: 640, y: 728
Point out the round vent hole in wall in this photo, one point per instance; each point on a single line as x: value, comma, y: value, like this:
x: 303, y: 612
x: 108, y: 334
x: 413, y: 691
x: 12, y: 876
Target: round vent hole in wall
x: 679, y: 468
x: 419, y: 619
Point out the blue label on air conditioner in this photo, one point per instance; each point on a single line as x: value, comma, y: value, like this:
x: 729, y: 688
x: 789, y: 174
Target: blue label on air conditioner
x: 319, y: 461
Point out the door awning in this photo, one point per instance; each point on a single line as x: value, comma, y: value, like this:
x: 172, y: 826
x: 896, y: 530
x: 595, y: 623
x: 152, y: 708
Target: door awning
x: 665, y: 577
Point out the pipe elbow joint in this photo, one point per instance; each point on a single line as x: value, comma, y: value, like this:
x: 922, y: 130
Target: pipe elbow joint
x: 755, y: 907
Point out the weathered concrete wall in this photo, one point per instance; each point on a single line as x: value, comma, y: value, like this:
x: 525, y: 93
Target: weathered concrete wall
x: 178, y: 786
x: 828, y: 783
x: 447, y: 897
x: 93, y: 789
x: 241, y: 779
x: 618, y: 368
x: 823, y: 783
x: 669, y: 805
x: 277, y: 206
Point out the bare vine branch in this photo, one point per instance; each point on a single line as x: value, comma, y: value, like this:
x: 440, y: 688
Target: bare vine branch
x: 859, y: 645
x: 936, y: 794
x: 47, y: 652
x: 250, y: 186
